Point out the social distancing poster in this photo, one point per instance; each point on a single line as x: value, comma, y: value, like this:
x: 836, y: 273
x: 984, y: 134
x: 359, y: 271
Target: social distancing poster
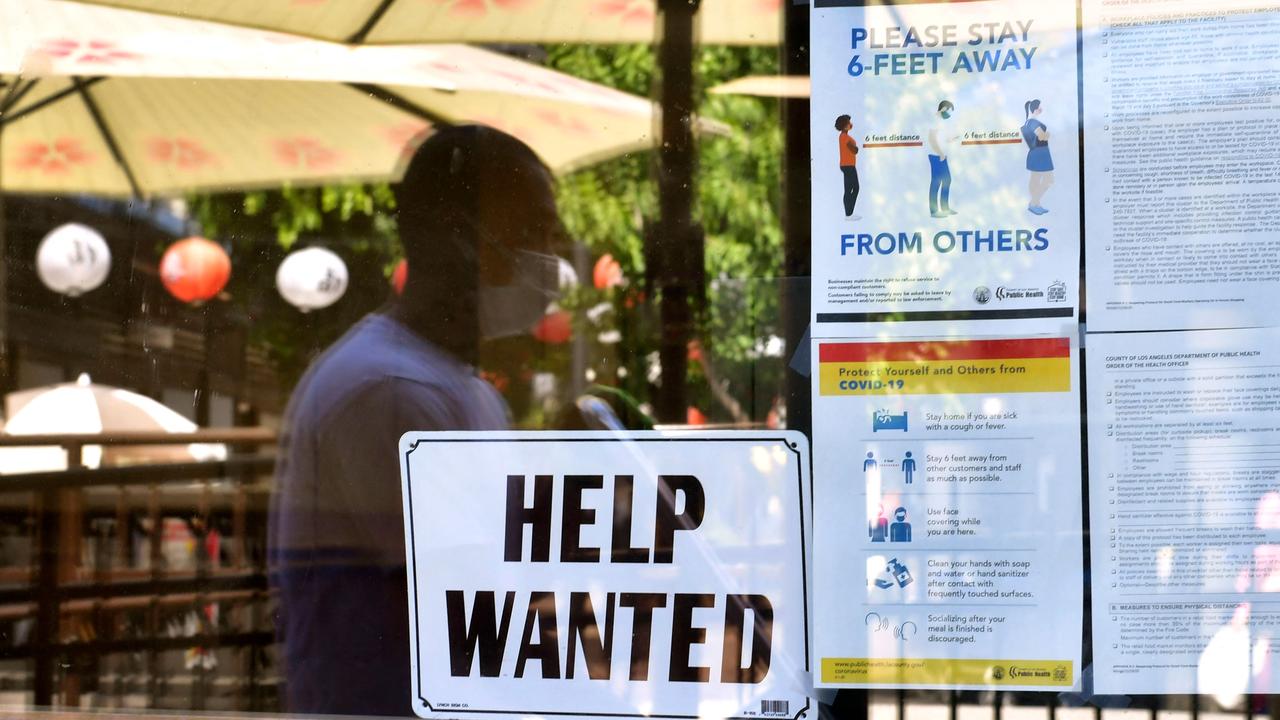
x: 945, y: 164
x: 579, y: 574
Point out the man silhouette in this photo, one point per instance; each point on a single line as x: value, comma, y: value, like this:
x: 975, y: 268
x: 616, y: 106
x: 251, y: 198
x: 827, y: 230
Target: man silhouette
x: 870, y: 463
x: 908, y: 467
x: 473, y: 207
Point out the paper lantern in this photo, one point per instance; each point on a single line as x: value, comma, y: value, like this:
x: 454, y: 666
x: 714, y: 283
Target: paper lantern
x: 73, y: 259
x: 554, y: 328
x: 607, y: 273
x: 566, y: 276
x: 400, y: 276
x: 195, y: 269
x: 312, y: 278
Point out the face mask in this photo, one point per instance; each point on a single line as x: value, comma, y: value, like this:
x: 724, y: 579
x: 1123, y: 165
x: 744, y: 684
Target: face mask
x: 513, y: 309
x: 946, y: 114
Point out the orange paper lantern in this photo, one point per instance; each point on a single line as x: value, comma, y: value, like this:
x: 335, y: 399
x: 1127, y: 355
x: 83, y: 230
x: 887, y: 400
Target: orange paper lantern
x: 607, y: 273
x: 399, y: 276
x: 555, y: 328
x: 195, y: 269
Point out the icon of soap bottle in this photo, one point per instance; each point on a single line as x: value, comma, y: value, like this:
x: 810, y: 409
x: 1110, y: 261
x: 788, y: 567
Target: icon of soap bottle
x: 899, y: 572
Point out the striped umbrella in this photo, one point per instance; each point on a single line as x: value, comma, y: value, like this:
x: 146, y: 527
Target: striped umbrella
x: 83, y: 408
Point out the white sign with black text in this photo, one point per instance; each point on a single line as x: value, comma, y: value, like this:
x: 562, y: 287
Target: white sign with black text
x: 646, y: 574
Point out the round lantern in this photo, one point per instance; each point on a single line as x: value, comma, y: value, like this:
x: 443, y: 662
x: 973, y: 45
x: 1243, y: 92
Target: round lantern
x: 400, y: 276
x: 73, y: 259
x: 195, y: 269
x: 312, y: 278
x: 555, y: 328
x: 566, y: 276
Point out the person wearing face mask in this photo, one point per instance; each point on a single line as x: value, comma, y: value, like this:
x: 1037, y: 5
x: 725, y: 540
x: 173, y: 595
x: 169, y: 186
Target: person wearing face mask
x: 1039, y: 162
x: 941, y: 136
x: 476, y: 215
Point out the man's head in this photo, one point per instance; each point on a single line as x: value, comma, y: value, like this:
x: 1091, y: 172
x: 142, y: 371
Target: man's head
x: 843, y: 123
x: 472, y: 203
x: 945, y: 109
x: 900, y: 514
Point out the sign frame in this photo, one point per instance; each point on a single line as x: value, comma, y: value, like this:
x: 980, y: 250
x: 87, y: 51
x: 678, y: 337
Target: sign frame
x: 793, y: 442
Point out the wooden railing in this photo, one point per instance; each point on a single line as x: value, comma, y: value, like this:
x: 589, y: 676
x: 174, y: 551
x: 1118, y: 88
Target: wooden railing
x: 59, y: 590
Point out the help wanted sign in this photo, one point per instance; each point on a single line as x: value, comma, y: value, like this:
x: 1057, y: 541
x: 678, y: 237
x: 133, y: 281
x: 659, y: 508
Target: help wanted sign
x: 644, y: 574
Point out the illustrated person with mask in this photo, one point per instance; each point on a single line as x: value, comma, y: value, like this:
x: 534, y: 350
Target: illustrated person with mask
x: 1039, y: 163
x: 474, y: 209
x: 848, y: 166
x: 940, y: 138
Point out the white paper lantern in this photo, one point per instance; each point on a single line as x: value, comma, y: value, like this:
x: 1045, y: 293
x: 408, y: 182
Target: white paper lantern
x: 73, y: 259
x: 312, y: 278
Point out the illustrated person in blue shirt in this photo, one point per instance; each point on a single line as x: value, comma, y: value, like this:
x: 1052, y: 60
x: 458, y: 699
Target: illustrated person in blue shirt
x: 878, y: 529
x: 900, y: 530
x: 1039, y: 162
x: 908, y: 467
x: 870, y: 463
x: 938, y: 146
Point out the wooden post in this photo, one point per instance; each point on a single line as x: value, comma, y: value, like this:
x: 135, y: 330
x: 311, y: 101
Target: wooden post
x: 679, y: 253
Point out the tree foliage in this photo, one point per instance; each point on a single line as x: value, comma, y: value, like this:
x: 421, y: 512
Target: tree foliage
x: 605, y: 208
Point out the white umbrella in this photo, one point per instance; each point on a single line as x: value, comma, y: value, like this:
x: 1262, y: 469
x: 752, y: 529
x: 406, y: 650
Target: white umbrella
x: 83, y: 408
x: 727, y: 22
x: 118, y: 102
x: 783, y: 86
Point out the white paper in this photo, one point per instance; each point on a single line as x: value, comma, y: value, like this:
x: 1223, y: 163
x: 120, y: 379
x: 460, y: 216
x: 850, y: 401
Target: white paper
x: 975, y: 445
x: 1182, y: 171
x: 1184, y: 453
x: 747, y: 540
x: 889, y: 67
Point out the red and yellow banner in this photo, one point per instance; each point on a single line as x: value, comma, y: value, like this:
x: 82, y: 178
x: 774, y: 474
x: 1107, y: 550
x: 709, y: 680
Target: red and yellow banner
x: 943, y: 367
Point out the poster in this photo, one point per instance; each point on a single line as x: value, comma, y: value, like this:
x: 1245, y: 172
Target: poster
x: 1182, y: 173
x: 945, y: 164
x: 1184, y: 451
x: 947, y: 530
x: 587, y: 574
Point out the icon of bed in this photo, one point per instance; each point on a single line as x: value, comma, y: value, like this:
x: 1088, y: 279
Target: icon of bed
x: 882, y: 420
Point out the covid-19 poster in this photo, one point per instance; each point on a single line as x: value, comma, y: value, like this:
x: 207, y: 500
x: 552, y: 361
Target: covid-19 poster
x: 945, y: 164
x: 947, y: 513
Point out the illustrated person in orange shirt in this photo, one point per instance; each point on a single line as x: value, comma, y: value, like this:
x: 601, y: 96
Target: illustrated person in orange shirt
x: 848, y: 166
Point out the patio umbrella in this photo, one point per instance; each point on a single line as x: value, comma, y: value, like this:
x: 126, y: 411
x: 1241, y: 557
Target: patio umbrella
x: 723, y: 22
x: 83, y: 408
x: 116, y: 102
x: 779, y: 86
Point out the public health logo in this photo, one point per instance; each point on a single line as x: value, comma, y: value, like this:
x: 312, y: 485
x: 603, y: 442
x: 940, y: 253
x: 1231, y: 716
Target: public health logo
x: 1057, y: 292
x: 997, y: 673
x: 982, y: 294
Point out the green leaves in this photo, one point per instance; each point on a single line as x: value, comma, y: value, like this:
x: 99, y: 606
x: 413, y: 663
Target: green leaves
x: 738, y: 200
x: 606, y: 207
